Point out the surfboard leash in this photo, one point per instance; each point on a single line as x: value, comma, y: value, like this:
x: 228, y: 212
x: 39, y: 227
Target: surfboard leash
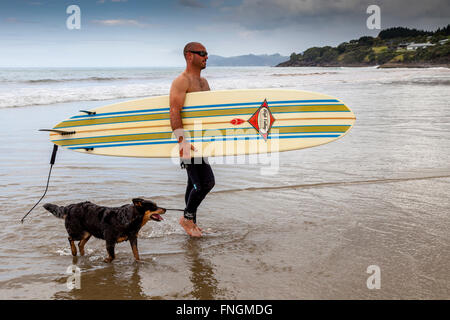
x: 52, y: 162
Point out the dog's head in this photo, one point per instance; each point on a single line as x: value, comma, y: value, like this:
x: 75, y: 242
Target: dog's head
x: 149, y: 208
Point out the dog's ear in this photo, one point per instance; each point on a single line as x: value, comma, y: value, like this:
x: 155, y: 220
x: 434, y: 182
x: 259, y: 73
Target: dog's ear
x: 138, y: 202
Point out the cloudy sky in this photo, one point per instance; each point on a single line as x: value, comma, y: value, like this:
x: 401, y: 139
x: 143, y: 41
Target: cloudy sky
x: 33, y: 33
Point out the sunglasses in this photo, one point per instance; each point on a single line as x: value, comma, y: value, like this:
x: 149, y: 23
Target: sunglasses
x: 200, y: 53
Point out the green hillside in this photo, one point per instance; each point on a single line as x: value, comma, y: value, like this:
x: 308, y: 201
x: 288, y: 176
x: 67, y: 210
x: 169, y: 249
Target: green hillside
x: 392, y: 47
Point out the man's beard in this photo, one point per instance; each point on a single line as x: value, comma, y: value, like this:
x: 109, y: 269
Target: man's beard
x: 202, y: 65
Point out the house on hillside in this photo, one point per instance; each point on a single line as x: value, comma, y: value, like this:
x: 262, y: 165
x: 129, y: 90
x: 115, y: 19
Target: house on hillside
x: 403, y: 45
x: 415, y: 46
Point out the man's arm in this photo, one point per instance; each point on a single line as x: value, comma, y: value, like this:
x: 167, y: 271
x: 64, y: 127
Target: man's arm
x: 176, y: 101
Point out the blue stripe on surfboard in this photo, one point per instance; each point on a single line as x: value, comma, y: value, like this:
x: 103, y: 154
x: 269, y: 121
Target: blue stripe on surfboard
x: 211, y: 140
x: 237, y: 114
x: 218, y: 138
x: 234, y: 128
x: 204, y: 106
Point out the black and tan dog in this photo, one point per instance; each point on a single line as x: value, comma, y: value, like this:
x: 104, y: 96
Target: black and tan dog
x: 114, y: 225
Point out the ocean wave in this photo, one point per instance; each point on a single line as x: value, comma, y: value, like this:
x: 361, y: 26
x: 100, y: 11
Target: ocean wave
x: 24, y: 97
x: 29, y: 96
x: 83, y: 79
x: 425, y: 82
x: 300, y: 74
x: 77, y: 79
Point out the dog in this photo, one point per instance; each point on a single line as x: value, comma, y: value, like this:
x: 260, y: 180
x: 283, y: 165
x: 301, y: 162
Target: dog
x: 86, y: 219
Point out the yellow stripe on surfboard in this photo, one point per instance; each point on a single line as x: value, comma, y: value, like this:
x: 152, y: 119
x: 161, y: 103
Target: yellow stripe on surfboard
x: 198, y: 114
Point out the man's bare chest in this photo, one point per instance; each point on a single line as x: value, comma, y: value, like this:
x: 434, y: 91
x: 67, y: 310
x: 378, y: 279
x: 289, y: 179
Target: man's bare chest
x: 196, y: 85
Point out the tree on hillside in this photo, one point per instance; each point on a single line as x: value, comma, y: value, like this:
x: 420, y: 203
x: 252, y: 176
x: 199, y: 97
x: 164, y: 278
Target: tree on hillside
x: 401, y: 32
x: 366, y: 41
x: 445, y: 31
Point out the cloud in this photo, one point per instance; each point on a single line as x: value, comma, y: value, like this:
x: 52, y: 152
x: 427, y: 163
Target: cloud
x: 14, y: 20
x: 120, y: 22
x: 11, y: 20
x: 319, y: 7
x: 192, y: 3
x: 267, y: 14
x: 103, y: 1
x: 300, y: 7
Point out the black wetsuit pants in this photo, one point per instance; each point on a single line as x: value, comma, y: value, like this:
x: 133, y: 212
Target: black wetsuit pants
x: 200, y: 182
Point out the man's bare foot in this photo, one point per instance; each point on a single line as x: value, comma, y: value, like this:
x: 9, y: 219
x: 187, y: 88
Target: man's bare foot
x: 203, y: 232
x: 190, y: 228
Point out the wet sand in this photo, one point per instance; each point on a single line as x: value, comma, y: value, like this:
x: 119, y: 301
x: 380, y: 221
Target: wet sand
x: 308, y: 250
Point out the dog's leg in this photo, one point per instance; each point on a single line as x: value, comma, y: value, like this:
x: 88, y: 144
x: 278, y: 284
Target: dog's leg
x: 83, y: 241
x: 72, y: 246
x: 110, y: 244
x: 134, y: 248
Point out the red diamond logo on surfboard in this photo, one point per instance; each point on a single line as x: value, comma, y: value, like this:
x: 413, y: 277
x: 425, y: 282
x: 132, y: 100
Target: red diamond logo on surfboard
x: 262, y: 120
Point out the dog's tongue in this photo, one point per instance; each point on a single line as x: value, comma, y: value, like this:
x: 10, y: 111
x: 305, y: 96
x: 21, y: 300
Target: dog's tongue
x: 156, y: 217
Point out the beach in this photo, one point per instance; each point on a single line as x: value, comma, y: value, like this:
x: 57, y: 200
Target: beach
x: 309, y: 230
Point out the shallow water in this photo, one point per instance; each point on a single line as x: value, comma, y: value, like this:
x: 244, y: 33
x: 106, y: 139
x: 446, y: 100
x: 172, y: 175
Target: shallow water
x: 378, y: 196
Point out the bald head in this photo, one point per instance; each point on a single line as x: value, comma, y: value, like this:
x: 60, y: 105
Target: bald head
x: 192, y: 46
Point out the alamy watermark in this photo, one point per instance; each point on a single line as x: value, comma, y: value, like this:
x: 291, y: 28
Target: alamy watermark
x: 374, y: 20
x: 374, y: 281
x: 74, y: 20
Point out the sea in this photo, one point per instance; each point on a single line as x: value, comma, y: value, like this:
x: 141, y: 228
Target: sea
x: 364, y: 217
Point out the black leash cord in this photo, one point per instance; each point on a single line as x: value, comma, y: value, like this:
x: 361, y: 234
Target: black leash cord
x: 52, y: 162
x: 174, y: 209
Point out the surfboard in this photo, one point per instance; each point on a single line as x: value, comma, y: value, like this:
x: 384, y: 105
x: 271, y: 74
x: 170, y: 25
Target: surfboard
x: 217, y: 123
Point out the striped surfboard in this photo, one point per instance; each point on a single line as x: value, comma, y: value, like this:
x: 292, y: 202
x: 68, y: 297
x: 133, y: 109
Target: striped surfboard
x: 218, y: 123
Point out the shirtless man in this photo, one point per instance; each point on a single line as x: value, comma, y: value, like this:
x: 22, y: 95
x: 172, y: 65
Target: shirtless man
x: 200, y: 175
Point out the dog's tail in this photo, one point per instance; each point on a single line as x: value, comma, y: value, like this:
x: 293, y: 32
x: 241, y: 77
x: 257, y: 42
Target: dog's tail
x: 57, y: 211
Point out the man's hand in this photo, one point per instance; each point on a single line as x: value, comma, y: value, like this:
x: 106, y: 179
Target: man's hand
x: 185, y: 149
x: 184, y: 145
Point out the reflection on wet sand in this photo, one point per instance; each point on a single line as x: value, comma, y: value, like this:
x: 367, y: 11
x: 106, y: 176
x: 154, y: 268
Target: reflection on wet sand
x: 123, y: 280
x: 204, y: 284
x: 111, y: 282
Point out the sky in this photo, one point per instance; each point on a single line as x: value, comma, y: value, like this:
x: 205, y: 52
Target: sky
x: 128, y: 33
